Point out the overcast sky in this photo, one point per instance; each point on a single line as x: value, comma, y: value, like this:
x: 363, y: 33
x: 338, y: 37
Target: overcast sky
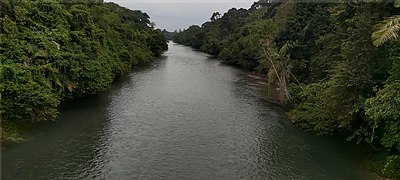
x: 175, y: 14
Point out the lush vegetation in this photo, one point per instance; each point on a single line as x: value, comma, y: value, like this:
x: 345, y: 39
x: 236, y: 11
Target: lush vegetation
x: 53, y: 50
x: 337, y: 65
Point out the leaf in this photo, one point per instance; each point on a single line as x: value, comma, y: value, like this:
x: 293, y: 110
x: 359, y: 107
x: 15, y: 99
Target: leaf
x: 386, y: 30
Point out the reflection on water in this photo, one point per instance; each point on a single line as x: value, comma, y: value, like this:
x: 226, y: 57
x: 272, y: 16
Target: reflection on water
x: 184, y: 117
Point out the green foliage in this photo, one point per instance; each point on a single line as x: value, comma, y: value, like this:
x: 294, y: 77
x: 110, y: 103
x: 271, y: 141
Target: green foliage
x: 26, y: 95
x: 158, y: 43
x: 391, y: 167
x: 305, y: 25
x: 234, y: 38
x: 383, y: 111
x: 312, y: 113
x: 51, y: 50
x: 193, y: 36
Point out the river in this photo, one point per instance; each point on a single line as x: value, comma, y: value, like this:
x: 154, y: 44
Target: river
x: 186, y: 116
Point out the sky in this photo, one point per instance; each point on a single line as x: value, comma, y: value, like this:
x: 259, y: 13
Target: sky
x: 180, y: 14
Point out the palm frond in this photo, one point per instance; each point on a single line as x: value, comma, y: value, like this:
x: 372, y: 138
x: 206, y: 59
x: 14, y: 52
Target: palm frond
x: 386, y: 30
x: 286, y: 47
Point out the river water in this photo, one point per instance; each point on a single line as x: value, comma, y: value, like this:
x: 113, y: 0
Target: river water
x: 186, y: 116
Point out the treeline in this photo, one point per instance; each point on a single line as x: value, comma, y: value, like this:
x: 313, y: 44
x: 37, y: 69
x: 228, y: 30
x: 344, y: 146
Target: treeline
x: 337, y: 65
x: 168, y: 35
x: 53, y: 50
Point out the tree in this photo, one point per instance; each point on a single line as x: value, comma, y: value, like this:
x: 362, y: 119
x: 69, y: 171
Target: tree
x: 215, y: 16
x: 280, y: 66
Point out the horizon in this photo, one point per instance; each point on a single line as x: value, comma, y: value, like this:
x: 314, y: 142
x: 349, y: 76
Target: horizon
x: 173, y: 15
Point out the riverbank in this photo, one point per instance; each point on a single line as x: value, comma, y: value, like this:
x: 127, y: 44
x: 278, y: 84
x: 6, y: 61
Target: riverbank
x: 339, y: 70
x: 381, y: 162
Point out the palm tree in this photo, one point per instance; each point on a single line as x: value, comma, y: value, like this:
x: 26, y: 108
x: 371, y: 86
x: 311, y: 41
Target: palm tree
x: 280, y: 65
x: 386, y: 30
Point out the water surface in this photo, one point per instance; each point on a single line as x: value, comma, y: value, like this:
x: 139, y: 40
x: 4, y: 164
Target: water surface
x: 184, y: 117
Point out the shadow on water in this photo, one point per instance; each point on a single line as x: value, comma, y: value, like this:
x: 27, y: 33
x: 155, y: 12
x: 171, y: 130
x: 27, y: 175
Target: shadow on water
x: 46, y: 145
x: 73, y: 145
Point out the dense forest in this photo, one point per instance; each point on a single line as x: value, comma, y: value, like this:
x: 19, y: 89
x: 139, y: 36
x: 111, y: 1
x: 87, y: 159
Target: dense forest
x: 54, y: 50
x: 337, y: 65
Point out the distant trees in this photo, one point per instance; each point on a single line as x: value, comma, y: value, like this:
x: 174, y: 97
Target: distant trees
x: 168, y: 35
x: 324, y: 62
x: 53, y: 50
x: 191, y: 37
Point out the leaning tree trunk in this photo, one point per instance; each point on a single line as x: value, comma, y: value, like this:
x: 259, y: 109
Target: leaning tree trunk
x: 283, y: 87
x: 280, y: 66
